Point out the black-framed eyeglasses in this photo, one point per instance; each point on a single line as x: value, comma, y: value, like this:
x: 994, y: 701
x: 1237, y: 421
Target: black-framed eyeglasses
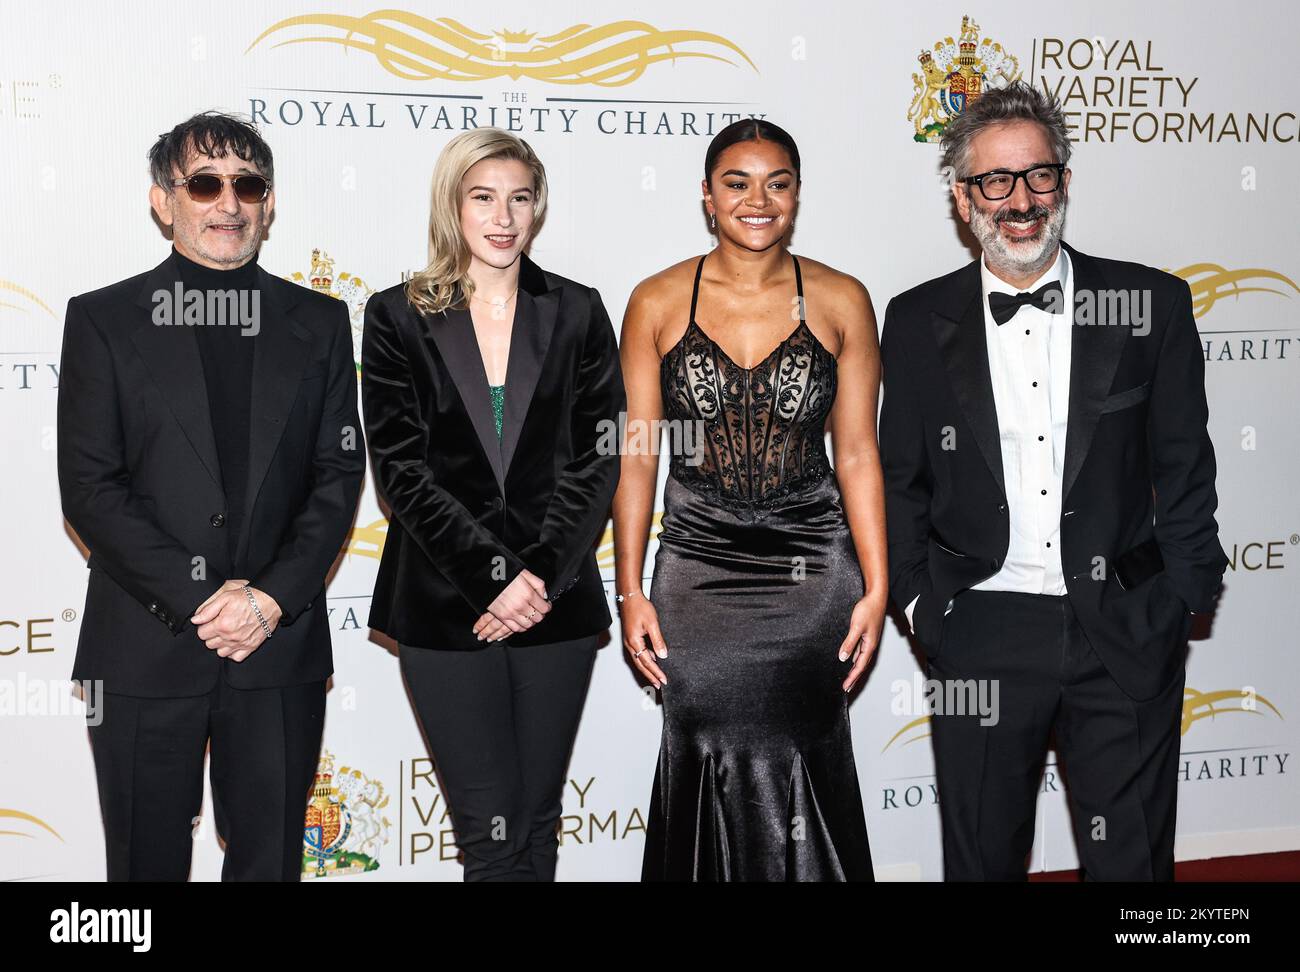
x: 204, y: 187
x: 1001, y: 183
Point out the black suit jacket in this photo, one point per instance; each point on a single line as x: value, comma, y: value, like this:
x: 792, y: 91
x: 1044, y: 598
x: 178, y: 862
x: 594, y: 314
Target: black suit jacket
x: 1138, y: 484
x: 469, y: 511
x: 141, y: 484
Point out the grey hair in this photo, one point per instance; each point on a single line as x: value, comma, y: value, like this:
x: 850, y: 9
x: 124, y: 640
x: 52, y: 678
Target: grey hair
x: 1018, y: 101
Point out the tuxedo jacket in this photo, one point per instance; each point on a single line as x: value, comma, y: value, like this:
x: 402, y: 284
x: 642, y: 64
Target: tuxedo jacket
x: 469, y: 511
x: 141, y: 484
x: 1139, y: 543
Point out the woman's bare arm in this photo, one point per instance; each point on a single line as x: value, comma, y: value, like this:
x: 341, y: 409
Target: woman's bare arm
x: 857, y: 465
x: 634, y: 499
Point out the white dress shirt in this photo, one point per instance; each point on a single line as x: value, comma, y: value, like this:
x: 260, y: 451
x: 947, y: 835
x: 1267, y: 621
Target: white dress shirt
x: 1029, y: 364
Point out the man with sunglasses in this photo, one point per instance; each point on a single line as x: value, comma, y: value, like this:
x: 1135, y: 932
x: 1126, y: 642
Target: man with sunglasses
x: 210, y: 459
x: 1050, y: 496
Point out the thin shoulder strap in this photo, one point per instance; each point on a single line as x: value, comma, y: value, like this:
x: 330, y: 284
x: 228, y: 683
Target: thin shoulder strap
x: 695, y: 292
x: 798, y: 282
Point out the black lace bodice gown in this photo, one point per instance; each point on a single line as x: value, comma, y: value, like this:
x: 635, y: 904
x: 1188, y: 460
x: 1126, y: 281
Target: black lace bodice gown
x: 754, y: 583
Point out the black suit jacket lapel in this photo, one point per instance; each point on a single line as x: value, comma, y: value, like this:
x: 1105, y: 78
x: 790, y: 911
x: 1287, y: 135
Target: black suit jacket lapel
x: 171, y: 353
x: 456, y: 342
x: 1095, y: 350
x: 530, y: 338
x: 959, y: 330
x: 536, y: 311
x: 281, y: 350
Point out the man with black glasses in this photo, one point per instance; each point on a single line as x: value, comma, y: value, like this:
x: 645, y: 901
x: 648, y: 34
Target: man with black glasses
x: 1050, y: 503
x: 210, y: 459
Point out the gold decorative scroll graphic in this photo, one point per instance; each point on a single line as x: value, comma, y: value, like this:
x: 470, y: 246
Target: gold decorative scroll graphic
x: 6, y: 815
x: 1211, y: 283
x: 6, y: 285
x: 368, y: 540
x: 914, y: 724
x: 417, y: 49
x: 605, y: 549
x: 1204, y: 705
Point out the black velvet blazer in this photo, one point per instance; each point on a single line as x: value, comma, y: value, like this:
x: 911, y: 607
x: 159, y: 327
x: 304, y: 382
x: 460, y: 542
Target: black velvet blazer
x: 469, y: 511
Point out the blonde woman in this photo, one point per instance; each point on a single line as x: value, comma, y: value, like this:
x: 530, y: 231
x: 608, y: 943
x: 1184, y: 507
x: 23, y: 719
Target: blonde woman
x: 486, y: 385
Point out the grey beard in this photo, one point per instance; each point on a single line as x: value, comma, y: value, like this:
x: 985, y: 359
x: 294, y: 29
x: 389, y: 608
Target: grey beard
x: 1021, y: 260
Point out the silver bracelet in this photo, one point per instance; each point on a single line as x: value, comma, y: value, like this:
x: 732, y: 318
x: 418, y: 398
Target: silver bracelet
x: 256, y: 610
x: 620, y: 598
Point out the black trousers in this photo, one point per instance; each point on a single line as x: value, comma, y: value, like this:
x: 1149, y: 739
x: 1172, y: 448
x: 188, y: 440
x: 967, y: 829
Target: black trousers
x: 1120, y: 757
x: 148, y: 752
x: 500, y: 723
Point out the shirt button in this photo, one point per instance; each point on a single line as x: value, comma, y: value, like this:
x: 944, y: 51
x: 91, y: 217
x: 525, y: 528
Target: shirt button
x: 1026, y: 330
x: 1043, y: 491
x: 1049, y: 543
x: 217, y: 519
x: 1035, y: 384
x: 1040, y: 438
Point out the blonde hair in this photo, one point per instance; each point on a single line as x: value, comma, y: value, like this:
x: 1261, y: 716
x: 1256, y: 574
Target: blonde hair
x: 446, y: 278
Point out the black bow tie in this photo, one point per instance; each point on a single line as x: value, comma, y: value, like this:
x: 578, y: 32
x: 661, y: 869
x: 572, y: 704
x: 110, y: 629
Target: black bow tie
x: 1049, y: 297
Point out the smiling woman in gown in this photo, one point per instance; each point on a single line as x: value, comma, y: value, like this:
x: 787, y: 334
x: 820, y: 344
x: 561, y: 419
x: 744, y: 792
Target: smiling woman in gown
x: 769, y: 586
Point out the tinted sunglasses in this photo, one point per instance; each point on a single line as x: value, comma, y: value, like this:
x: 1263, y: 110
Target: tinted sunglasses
x: 205, y: 187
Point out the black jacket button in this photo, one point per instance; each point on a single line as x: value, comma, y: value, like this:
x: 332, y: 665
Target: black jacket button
x: 217, y: 519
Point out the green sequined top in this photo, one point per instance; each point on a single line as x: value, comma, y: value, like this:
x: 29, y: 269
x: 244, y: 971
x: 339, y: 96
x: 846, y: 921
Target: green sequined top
x: 498, y: 404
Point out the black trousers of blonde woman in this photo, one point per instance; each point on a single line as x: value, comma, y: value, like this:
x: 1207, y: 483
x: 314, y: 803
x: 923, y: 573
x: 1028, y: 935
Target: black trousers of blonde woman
x: 500, y: 724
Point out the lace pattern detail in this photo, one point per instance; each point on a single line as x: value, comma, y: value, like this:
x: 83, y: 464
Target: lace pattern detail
x: 762, y: 429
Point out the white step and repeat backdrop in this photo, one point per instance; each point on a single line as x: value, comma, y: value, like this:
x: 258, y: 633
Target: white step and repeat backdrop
x: 1186, y: 158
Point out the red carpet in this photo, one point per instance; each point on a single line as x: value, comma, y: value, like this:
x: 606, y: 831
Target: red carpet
x: 1255, y: 867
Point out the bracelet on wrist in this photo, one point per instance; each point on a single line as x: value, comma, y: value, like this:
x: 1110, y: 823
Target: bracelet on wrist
x: 266, y: 628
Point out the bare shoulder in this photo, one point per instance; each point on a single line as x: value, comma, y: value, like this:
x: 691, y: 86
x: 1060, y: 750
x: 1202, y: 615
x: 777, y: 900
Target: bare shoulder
x: 833, y: 287
x: 835, y: 299
x: 659, y: 305
x: 666, y: 287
